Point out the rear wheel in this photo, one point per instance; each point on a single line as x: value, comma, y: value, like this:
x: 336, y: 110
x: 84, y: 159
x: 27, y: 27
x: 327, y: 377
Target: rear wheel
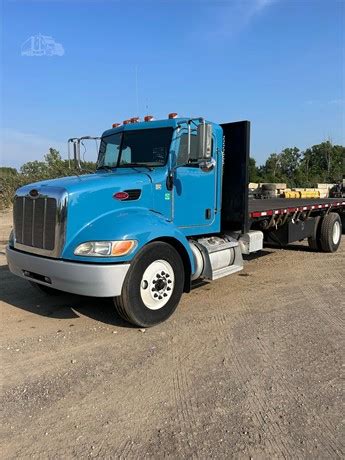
x: 330, y: 234
x: 314, y: 240
x: 342, y: 218
x: 153, y: 286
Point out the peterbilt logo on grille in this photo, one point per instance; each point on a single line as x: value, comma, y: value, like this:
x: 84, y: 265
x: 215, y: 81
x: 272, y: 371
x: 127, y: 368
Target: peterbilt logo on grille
x: 33, y: 193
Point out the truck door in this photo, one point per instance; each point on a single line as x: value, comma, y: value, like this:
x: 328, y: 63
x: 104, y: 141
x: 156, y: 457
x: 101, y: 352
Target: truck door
x: 194, y: 199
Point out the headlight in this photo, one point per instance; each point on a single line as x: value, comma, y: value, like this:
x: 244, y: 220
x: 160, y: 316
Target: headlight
x: 105, y: 248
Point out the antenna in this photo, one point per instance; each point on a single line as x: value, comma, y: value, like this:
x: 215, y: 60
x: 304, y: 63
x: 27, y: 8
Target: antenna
x: 136, y: 88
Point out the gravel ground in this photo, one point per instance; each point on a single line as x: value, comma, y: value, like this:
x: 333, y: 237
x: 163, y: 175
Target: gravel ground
x: 249, y: 366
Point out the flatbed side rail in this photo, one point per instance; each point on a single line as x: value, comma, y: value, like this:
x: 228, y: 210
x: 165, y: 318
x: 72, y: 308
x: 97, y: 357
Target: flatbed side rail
x: 292, y: 209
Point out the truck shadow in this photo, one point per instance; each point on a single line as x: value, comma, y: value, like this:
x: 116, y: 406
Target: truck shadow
x: 258, y: 255
x: 300, y: 247
x: 18, y: 293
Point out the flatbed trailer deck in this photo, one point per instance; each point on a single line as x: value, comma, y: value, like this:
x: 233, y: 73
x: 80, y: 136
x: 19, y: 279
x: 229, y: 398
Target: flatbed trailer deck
x: 281, y: 220
x: 284, y: 221
x: 275, y: 206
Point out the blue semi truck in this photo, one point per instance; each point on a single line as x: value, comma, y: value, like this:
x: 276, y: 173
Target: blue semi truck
x: 167, y: 205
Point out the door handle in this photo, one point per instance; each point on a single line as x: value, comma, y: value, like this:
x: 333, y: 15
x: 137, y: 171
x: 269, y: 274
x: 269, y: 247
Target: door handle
x: 170, y: 181
x: 207, y: 165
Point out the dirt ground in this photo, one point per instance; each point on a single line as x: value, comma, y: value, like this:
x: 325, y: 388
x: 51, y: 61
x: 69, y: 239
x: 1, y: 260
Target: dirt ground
x: 249, y: 366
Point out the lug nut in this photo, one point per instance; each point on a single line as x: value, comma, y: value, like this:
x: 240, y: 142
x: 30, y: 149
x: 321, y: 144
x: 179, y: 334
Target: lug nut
x: 155, y: 295
x: 165, y: 294
x: 168, y: 289
x: 169, y: 281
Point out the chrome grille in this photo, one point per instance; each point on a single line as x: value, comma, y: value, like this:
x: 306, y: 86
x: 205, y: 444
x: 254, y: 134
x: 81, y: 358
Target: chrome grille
x: 34, y: 222
x: 39, y: 222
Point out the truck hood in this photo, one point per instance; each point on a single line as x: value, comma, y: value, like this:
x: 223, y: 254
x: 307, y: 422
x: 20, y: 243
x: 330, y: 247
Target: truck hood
x: 92, y: 183
x: 92, y: 196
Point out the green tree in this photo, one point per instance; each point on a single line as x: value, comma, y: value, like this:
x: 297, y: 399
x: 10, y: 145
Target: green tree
x: 254, y: 175
x: 53, y: 159
x: 7, y: 172
x: 323, y: 162
x: 35, y: 169
x: 289, y: 160
x: 271, y: 170
x: 53, y: 166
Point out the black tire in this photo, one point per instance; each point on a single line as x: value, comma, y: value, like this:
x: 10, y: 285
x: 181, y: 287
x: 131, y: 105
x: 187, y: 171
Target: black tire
x: 269, y: 187
x: 342, y: 218
x: 269, y: 194
x: 130, y: 305
x: 314, y: 240
x: 328, y: 244
x: 46, y: 289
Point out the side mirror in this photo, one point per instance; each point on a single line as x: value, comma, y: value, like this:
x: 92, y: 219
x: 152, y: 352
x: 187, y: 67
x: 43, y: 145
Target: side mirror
x: 204, y: 135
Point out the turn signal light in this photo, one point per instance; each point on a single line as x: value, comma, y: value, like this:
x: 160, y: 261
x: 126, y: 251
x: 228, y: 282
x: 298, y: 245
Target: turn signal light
x: 121, y: 248
x: 115, y: 125
x: 172, y: 115
x: 148, y: 118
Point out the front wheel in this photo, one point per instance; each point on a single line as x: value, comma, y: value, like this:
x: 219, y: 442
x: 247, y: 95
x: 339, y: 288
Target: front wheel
x: 153, y: 286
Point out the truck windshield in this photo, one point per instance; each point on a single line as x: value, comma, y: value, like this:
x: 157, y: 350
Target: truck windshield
x: 145, y: 147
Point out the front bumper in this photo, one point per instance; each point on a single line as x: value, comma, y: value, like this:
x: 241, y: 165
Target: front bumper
x: 96, y: 280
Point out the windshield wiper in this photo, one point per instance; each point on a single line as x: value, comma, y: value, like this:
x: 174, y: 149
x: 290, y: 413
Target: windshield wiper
x: 143, y: 165
x: 107, y: 168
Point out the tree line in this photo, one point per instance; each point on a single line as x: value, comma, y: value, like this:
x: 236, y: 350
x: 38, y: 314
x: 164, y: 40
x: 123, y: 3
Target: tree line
x: 51, y: 167
x: 321, y: 163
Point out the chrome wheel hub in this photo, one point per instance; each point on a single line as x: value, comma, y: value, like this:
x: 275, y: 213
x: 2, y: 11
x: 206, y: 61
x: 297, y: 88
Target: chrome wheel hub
x: 336, y: 233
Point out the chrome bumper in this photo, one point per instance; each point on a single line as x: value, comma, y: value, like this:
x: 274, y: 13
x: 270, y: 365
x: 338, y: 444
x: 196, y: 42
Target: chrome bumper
x: 96, y: 280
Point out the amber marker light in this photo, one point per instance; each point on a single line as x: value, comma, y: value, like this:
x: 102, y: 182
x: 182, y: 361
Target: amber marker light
x: 121, y: 248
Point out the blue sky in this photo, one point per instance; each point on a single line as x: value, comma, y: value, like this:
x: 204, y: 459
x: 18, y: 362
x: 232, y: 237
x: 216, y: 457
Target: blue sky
x: 278, y: 63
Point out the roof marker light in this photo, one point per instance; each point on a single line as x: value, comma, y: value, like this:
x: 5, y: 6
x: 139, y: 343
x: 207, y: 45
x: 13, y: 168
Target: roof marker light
x: 172, y: 115
x: 148, y: 118
x: 135, y: 120
x: 116, y: 125
x: 126, y: 122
